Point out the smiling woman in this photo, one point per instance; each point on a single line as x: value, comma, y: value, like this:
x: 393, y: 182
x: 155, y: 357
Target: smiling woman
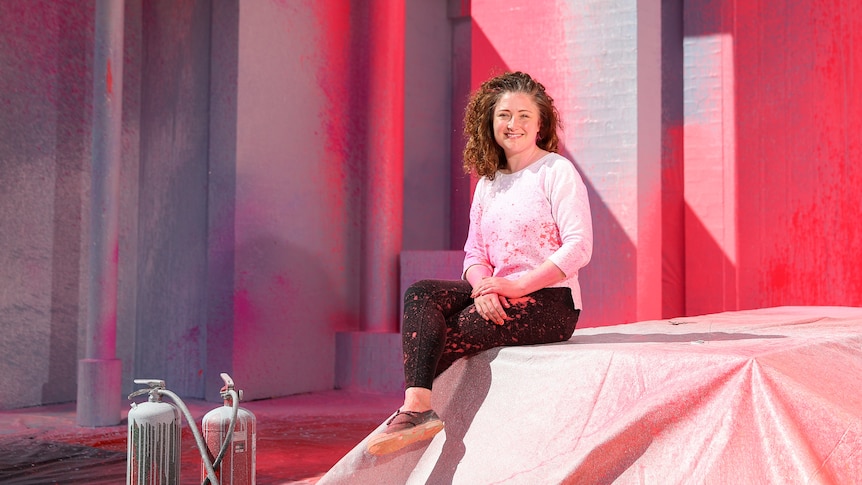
x: 530, y: 232
x: 505, y: 102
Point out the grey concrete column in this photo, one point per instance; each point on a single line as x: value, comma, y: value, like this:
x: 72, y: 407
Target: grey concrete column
x: 382, y: 233
x: 460, y: 192
x: 99, y: 372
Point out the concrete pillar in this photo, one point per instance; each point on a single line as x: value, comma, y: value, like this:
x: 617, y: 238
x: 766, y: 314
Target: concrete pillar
x: 384, y: 167
x: 672, y: 167
x: 99, y: 373
x: 221, y: 201
x: 460, y: 191
x: 649, y: 161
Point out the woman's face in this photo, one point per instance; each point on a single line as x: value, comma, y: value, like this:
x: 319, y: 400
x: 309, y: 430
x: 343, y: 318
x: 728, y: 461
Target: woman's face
x: 516, y: 123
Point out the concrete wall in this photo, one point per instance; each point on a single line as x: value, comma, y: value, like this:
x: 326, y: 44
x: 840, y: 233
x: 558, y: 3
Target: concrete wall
x: 245, y: 170
x: 297, y: 196
x: 45, y: 119
x: 314, y: 136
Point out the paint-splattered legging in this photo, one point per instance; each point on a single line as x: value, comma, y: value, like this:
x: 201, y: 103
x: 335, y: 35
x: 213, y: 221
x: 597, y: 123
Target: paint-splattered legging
x: 441, y: 325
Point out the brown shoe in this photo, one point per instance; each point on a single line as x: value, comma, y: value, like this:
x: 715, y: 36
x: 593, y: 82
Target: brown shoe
x: 405, y: 428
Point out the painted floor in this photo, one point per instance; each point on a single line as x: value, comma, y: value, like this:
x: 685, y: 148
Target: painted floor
x: 299, y: 438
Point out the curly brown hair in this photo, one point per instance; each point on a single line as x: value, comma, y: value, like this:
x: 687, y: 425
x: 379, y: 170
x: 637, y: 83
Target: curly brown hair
x: 482, y: 154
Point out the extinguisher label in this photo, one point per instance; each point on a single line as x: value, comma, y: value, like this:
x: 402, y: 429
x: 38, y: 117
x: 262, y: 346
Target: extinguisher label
x: 240, y: 437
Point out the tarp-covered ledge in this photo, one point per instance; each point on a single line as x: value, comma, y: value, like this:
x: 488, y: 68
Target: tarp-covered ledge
x: 761, y: 396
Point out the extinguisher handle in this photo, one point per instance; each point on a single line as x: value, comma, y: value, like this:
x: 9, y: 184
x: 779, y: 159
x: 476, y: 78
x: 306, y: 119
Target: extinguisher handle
x: 151, y: 383
x: 228, y: 386
x: 228, y: 382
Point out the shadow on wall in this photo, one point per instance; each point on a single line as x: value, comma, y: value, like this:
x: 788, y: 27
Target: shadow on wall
x: 608, y: 287
x: 709, y: 274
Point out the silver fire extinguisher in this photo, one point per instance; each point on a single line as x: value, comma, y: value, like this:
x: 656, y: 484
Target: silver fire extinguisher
x: 231, y: 438
x: 153, y: 451
x: 154, y: 438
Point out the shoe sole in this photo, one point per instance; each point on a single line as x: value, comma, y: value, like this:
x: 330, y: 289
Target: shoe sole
x: 390, y: 443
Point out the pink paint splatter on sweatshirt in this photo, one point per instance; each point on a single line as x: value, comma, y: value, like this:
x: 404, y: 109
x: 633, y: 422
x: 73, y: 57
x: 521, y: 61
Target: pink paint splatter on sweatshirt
x: 519, y: 220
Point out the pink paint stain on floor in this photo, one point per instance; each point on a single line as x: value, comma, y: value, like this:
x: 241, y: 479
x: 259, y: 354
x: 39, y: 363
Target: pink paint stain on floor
x: 299, y: 438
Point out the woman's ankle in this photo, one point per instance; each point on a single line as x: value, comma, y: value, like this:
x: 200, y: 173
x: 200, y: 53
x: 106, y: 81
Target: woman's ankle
x: 417, y: 399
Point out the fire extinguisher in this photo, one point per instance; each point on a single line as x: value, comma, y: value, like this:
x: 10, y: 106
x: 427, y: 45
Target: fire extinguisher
x: 153, y: 450
x: 231, y: 439
x: 154, y: 438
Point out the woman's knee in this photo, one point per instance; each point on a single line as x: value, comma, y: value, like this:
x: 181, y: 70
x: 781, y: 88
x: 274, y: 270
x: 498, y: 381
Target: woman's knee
x: 419, y: 290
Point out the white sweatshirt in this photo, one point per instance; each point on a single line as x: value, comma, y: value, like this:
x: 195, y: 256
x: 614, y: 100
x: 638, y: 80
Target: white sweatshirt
x: 521, y: 219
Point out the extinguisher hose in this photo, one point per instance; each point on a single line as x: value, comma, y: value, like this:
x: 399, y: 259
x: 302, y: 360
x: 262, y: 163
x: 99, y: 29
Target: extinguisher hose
x: 210, y: 468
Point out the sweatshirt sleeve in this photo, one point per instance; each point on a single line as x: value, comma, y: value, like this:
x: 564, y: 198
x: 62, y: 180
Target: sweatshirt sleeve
x: 474, y: 248
x: 570, y: 208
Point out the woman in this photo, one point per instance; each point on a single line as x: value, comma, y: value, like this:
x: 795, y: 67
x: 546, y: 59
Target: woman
x: 530, y: 232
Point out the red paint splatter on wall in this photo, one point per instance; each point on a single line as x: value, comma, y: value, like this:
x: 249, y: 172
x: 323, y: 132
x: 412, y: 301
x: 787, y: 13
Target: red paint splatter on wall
x: 109, y: 79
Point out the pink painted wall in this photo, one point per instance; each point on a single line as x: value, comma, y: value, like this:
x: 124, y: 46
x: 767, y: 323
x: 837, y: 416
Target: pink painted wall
x: 757, y: 178
x: 773, y: 143
x: 799, y: 238
x: 587, y: 56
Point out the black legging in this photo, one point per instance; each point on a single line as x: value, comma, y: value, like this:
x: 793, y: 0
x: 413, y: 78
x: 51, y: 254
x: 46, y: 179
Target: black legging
x: 441, y: 325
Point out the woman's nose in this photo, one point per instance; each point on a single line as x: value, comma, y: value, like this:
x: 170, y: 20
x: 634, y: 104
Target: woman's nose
x: 511, y: 122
